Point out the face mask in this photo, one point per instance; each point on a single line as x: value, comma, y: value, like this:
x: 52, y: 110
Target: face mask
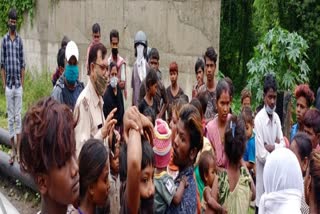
x: 140, y: 49
x: 12, y: 27
x: 101, y: 83
x: 146, y: 205
x: 71, y: 73
x: 270, y: 110
x: 113, y: 82
x: 114, y: 52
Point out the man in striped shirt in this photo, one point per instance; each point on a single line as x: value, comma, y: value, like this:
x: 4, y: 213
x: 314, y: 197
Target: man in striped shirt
x: 12, y: 72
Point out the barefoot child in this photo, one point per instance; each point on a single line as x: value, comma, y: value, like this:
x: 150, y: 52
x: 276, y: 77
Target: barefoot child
x: 166, y: 192
x: 207, y: 170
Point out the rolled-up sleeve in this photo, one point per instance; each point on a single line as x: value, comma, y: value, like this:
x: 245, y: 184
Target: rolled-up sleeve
x: 21, y: 55
x: 3, y: 52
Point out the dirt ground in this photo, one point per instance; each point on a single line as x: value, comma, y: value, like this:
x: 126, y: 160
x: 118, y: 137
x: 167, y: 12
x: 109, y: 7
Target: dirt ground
x: 25, y: 200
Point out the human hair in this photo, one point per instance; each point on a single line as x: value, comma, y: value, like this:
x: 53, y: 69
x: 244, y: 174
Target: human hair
x: 111, y: 65
x: 203, y: 98
x: 114, y: 34
x: 149, y: 112
x: 269, y: 83
x: 196, y: 103
x: 314, y: 171
x: 92, y: 160
x: 47, y: 137
x: 245, y: 93
x: 64, y: 42
x: 199, y: 64
x: 230, y: 83
x: 235, y: 139
x: 173, y: 67
x: 61, y: 57
x: 222, y: 86
x: 154, y: 54
x: 311, y: 119
x: 304, y: 144
x: 247, y: 115
x: 96, y: 28
x: 147, y: 157
x: 191, y: 119
x: 13, y: 14
x: 211, y: 54
x: 151, y: 78
x: 204, y: 160
x: 93, y: 54
x: 303, y: 90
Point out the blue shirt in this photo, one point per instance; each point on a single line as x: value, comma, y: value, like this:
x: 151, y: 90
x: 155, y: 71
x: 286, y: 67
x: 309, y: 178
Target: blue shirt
x: 294, y: 130
x: 12, y: 60
x: 250, y: 152
x: 189, y: 199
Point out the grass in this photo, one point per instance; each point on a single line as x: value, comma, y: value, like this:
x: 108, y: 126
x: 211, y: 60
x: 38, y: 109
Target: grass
x: 36, y: 86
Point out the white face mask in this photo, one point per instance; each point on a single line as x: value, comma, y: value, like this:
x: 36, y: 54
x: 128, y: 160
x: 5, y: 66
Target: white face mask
x: 113, y: 82
x: 140, y: 49
x: 270, y: 110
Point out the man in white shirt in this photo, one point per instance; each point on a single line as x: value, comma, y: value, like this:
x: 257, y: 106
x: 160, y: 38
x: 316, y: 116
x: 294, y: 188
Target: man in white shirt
x: 268, y: 132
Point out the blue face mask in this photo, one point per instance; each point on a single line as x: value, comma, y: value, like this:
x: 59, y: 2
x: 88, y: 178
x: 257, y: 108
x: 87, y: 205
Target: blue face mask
x: 71, y: 73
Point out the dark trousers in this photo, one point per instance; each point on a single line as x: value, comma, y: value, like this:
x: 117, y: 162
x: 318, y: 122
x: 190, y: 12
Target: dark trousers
x: 257, y: 210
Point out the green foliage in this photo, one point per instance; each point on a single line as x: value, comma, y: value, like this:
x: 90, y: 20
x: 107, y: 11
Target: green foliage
x: 282, y: 54
x: 36, y: 86
x: 22, y: 7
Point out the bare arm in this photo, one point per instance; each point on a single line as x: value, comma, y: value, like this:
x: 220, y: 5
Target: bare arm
x: 134, y: 154
x: 163, y: 110
x: 179, y: 193
x: 211, y: 197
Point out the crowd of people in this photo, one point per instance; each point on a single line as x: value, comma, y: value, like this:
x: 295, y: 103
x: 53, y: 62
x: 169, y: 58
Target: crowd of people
x: 165, y: 153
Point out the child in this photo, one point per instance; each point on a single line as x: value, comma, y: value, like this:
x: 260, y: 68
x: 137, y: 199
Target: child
x: 249, y: 155
x: 166, y: 192
x: 151, y: 87
x: 245, y: 98
x: 234, y: 184
x: 115, y: 180
x: 48, y: 148
x: 94, y: 176
x: 137, y: 164
x: 207, y: 171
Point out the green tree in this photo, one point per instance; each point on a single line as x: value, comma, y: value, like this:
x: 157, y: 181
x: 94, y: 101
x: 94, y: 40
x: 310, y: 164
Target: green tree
x: 282, y: 54
x: 22, y: 7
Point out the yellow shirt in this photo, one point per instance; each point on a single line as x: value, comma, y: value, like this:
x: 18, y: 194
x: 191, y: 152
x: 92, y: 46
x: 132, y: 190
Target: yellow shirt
x: 206, y: 147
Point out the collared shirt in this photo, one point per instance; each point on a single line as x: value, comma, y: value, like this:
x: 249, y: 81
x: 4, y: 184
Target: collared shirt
x: 88, y: 113
x: 267, y: 131
x: 188, y: 203
x: 12, y: 60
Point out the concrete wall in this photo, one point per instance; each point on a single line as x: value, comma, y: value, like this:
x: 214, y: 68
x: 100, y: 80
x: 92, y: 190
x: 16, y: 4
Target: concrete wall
x: 180, y: 29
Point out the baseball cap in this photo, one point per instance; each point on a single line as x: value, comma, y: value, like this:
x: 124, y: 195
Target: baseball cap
x: 72, y: 50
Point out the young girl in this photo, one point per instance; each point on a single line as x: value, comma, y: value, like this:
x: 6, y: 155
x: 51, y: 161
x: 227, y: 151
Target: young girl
x: 234, y: 183
x: 94, y: 176
x: 151, y: 86
x: 207, y: 171
x: 48, y: 154
x: 216, y: 127
x: 137, y: 189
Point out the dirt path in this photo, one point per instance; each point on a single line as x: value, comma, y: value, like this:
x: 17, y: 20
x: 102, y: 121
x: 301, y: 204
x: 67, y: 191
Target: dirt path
x: 22, y: 198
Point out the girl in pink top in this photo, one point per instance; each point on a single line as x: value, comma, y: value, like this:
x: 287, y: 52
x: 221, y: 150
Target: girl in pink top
x: 216, y: 127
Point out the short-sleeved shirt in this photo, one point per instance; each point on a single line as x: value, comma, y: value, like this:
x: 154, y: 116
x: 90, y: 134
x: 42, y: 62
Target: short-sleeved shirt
x: 211, y: 110
x: 188, y: 203
x: 293, y: 132
x: 165, y: 190
x: 172, y: 99
x: 250, y: 152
